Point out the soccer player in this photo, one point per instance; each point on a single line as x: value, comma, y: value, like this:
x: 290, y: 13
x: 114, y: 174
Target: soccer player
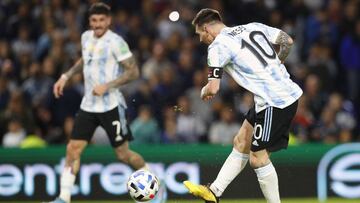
x: 246, y: 53
x: 107, y: 63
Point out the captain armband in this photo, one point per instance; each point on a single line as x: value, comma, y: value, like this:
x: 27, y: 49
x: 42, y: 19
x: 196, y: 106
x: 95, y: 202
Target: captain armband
x: 215, y: 73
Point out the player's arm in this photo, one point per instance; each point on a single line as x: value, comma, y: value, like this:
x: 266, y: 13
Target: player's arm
x: 131, y: 72
x: 278, y: 37
x: 60, y: 83
x: 285, y: 42
x: 76, y: 68
x: 213, y: 85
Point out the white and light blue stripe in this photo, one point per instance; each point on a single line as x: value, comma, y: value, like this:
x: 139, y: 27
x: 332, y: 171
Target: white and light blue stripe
x: 271, y: 85
x: 267, y: 124
x: 104, y: 54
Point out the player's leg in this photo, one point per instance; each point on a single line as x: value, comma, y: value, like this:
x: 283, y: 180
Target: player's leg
x: 232, y: 166
x: 264, y: 137
x: 236, y: 161
x: 84, y: 126
x: 74, y: 150
x: 266, y: 174
x: 271, y: 133
x: 115, y: 124
x: 130, y: 157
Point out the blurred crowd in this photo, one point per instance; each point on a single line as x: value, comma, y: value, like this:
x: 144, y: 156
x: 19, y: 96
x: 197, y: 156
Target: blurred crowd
x: 40, y: 39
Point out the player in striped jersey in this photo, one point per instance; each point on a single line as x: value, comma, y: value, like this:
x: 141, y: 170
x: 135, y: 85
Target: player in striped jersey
x: 106, y: 63
x: 246, y: 53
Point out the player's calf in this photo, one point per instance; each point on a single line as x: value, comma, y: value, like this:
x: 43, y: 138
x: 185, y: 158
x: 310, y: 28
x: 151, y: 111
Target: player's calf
x: 259, y: 159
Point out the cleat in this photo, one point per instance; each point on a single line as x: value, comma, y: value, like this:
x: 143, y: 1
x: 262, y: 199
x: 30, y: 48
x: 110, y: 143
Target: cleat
x: 201, y: 191
x: 58, y: 200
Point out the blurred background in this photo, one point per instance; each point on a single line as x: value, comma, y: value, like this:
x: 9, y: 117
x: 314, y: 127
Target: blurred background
x: 40, y: 39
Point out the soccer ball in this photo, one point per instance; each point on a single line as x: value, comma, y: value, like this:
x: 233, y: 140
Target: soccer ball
x: 143, y: 185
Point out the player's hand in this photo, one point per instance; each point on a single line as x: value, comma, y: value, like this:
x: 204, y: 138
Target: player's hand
x: 205, y: 95
x: 99, y: 90
x: 209, y: 97
x: 59, y: 86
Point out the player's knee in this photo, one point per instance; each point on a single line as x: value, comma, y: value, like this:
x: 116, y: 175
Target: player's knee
x: 241, y: 144
x: 122, y: 154
x: 242, y: 141
x: 257, y: 161
x: 122, y: 157
x: 247, y: 128
x: 74, y: 150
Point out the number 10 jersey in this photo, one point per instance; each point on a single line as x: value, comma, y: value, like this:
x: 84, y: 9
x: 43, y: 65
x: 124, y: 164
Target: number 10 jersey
x: 246, y: 53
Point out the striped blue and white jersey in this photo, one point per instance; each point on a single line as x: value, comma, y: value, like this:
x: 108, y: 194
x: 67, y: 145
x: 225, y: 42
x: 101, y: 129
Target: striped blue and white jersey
x: 246, y: 54
x: 101, y: 57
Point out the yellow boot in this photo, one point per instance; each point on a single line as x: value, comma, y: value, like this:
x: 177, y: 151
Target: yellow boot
x: 201, y: 191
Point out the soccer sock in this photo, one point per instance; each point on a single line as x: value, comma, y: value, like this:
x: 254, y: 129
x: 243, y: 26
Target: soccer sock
x: 233, y: 165
x: 66, y: 184
x: 268, y: 181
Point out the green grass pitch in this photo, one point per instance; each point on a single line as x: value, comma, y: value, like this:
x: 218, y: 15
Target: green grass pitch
x: 304, y: 200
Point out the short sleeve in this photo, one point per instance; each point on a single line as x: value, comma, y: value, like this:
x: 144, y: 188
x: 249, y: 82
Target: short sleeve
x: 84, y: 37
x: 218, y: 55
x: 270, y: 32
x: 121, y: 49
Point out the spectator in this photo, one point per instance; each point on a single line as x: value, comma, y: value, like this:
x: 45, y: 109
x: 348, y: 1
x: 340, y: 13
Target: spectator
x: 38, y: 85
x: 15, y: 135
x: 145, y: 128
x: 318, y: 27
x: 326, y: 129
x: 323, y: 66
x: 324, y: 59
x: 157, y: 62
x: 43, y: 44
x: 200, y: 108
x: 190, y: 128
x: 143, y: 96
x: 224, y: 130
x: 185, y: 70
x: 168, y: 89
x: 17, y: 108
x: 169, y: 133
x: 23, y: 44
x: 303, y: 121
x: 344, y: 117
x: 315, y: 97
x: 349, y: 58
x: 4, y: 93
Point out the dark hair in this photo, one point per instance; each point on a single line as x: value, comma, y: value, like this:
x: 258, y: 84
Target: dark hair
x: 99, y: 8
x: 206, y: 15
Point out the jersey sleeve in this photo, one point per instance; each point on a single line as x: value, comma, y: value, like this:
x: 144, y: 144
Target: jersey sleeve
x: 218, y: 55
x: 84, y: 37
x: 121, y: 49
x: 270, y: 32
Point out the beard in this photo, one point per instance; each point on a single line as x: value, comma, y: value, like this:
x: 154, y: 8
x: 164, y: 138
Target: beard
x: 99, y: 31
